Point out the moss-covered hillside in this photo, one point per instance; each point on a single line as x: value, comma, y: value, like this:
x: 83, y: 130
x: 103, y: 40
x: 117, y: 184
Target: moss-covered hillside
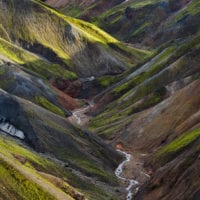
x: 151, y: 23
x: 26, y: 174
x: 154, y: 112
x: 141, y: 22
x: 144, y: 100
x: 70, y: 44
x: 79, y: 154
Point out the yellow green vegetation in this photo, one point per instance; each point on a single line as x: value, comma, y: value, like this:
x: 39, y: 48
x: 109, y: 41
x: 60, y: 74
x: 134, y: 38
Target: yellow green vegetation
x: 49, y: 106
x: 106, y: 81
x: 177, y: 146
x: 3, y: 33
x: 91, y: 31
x: 21, y: 168
x: 33, y: 62
x: 162, y: 61
x: 146, y: 88
x: 17, y: 174
x: 97, y: 35
x: 140, y: 29
x: 191, y: 9
x: 72, y: 41
x: 174, y: 58
x: 24, y: 188
x: 112, y: 120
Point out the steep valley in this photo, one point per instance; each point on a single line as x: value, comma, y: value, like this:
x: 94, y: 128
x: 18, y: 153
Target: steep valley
x: 99, y: 100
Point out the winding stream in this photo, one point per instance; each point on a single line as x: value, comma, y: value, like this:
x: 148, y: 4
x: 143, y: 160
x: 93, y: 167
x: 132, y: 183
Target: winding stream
x: 119, y: 170
x: 76, y: 114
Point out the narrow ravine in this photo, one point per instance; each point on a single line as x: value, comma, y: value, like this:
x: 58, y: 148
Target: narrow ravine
x: 77, y: 116
x: 77, y: 112
x: 119, y: 171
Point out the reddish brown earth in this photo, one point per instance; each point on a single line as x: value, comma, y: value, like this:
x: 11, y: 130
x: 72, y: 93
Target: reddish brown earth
x: 71, y: 88
x: 100, y: 104
x: 65, y: 100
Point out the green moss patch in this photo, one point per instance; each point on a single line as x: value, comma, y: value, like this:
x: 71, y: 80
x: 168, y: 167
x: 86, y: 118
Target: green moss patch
x: 168, y: 152
x: 18, y: 185
x: 33, y: 62
x: 106, y: 81
x: 25, y: 189
x: 49, y: 106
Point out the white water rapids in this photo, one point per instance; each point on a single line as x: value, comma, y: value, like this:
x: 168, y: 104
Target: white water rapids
x: 119, y: 169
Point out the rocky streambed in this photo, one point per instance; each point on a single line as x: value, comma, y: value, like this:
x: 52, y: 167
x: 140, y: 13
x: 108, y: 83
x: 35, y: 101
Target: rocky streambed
x: 119, y: 171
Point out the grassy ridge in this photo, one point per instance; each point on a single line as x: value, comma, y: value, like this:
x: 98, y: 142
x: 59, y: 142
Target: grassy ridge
x: 143, y: 90
x: 24, y: 188
x: 48, y: 172
x: 33, y: 62
x: 49, y: 106
x: 170, y: 151
x: 95, y: 34
x: 72, y: 41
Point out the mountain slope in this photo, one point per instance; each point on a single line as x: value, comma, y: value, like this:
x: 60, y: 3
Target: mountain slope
x: 143, y: 23
x: 65, y: 41
x: 153, y: 112
x: 144, y: 102
x: 38, y: 48
x: 82, y: 8
x: 60, y: 49
x: 28, y: 175
x: 53, y: 135
x: 152, y: 23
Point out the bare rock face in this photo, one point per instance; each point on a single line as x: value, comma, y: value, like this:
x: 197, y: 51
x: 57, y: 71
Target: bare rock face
x: 12, y: 112
x: 10, y: 129
x: 24, y: 84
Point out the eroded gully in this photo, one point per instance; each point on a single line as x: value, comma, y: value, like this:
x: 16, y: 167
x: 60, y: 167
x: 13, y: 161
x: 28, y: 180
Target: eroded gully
x: 77, y: 117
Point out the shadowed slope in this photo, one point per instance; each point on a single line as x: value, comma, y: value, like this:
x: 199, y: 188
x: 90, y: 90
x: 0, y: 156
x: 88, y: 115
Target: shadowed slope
x: 75, y: 45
